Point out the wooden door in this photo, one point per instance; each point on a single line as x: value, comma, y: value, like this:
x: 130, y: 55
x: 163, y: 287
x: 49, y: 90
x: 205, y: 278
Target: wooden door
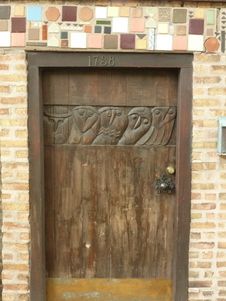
x: 109, y: 136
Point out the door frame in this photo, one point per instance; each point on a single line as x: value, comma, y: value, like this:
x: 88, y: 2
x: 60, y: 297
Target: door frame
x: 37, y: 61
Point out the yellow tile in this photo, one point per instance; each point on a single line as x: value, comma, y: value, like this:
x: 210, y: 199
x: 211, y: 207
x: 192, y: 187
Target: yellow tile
x: 141, y: 44
x: 19, y: 10
x: 199, y: 13
x: 124, y: 11
x: 113, y: 11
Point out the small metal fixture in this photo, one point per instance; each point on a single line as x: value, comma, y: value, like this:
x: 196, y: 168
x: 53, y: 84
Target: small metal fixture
x: 170, y: 169
x: 165, y: 184
x: 221, y: 141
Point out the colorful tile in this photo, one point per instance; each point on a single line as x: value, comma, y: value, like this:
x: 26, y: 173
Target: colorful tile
x: 18, y: 25
x: 18, y: 39
x: 4, y: 25
x: 88, y: 28
x: 53, y: 40
x: 103, y: 22
x: 181, y: 30
x: 180, y: 15
x: 195, y: 42
x: 164, y: 14
x: 64, y: 35
x: 113, y: 11
x: 77, y: 40
x: 69, y: 13
x: 151, y: 38
x: 209, y: 32
x: 34, y: 13
x: 151, y: 12
x: 137, y: 12
x: 199, y: 13
x: 163, y: 28
x: 124, y: 11
x: 98, y: 29
x: 107, y: 30
x: 127, y: 41
x: 211, y: 44
x: 44, y: 32
x: 95, y: 41
x: 120, y: 25
x: 52, y: 13
x: 137, y: 25
x: 210, y: 16
x: 101, y: 12
x: 5, y: 12
x: 85, y: 13
x: 19, y: 10
x: 180, y: 43
x: 64, y: 43
x: 33, y: 34
x: 141, y: 42
x: 164, y: 42
x: 111, y: 42
x: 196, y: 26
x: 4, y: 39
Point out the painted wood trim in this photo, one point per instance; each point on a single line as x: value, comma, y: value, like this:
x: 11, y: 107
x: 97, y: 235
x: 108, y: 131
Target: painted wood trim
x: 37, y: 61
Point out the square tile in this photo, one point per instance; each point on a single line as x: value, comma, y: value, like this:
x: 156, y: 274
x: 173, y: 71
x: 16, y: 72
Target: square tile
x: 199, y: 13
x: 18, y: 39
x: 209, y: 32
x: 180, y: 43
x: 64, y: 43
x: 34, y: 13
x: 95, y: 41
x: 141, y: 43
x: 4, y: 39
x: 53, y: 27
x: 69, y: 13
x: 44, y: 32
x: 137, y: 12
x: 164, y: 42
x: 88, y: 28
x: 5, y: 12
x: 77, y: 40
x: 4, y: 25
x: 120, y: 25
x: 33, y: 34
x: 53, y: 40
x: 195, y: 42
x: 18, y: 25
x: 137, y: 24
x: 127, y: 41
x: 107, y: 30
x: 151, y: 12
x: 98, y: 29
x: 64, y: 35
x: 210, y: 17
x: 164, y: 14
x: 163, y: 28
x: 101, y: 12
x: 180, y: 15
x: 124, y: 11
x: 19, y: 10
x: 113, y: 11
x: 181, y: 30
x: 196, y: 26
x: 111, y: 42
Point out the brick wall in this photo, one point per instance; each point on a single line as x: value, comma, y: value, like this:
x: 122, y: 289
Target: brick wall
x: 14, y: 175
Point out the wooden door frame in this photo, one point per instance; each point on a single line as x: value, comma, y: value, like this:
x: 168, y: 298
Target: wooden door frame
x: 37, y: 61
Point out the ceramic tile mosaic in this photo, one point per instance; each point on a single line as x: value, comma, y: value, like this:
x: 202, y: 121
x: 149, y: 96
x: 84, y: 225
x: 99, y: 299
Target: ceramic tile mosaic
x: 113, y: 27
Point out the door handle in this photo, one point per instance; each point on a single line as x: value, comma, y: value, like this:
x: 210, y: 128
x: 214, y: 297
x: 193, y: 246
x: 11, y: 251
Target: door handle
x: 166, y: 183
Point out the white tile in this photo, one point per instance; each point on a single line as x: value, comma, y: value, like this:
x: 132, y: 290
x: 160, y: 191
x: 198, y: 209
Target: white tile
x: 4, y: 39
x: 113, y: 11
x: 101, y: 12
x: 53, y: 27
x: 53, y: 41
x: 77, y: 40
x: 195, y: 42
x: 164, y: 42
x: 120, y: 25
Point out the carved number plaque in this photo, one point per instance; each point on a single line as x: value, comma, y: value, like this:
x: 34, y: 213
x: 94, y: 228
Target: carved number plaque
x: 109, y: 125
x: 101, y: 60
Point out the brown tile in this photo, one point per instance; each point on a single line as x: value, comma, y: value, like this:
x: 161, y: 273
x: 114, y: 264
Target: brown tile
x: 64, y: 43
x: 127, y: 41
x: 18, y: 25
x: 5, y: 12
x: 111, y: 41
x: 44, y: 32
x: 85, y: 13
x: 210, y: 32
x: 180, y: 15
x: 136, y: 12
x: 211, y: 44
x: 69, y: 13
x: 164, y: 14
x: 33, y: 33
x: 124, y: 11
x: 196, y: 26
x: 4, y: 25
x: 52, y: 13
x: 181, y: 30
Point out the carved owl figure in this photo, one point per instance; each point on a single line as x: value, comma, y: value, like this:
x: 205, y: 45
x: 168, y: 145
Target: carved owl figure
x: 85, y: 125
x: 139, y: 122
x: 163, y: 119
x: 113, y: 122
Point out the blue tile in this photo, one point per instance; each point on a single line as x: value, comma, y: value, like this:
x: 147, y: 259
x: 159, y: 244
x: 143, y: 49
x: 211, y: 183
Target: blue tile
x: 34, y: 13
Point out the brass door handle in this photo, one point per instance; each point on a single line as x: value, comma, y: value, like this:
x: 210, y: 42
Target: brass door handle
x: 165, y: 184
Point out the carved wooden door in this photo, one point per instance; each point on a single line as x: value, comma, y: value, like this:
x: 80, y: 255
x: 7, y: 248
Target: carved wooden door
x: 109, y: 136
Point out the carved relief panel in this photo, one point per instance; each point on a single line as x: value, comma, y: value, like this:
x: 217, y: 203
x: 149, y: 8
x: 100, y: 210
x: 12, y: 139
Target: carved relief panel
x: 94, y: 125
